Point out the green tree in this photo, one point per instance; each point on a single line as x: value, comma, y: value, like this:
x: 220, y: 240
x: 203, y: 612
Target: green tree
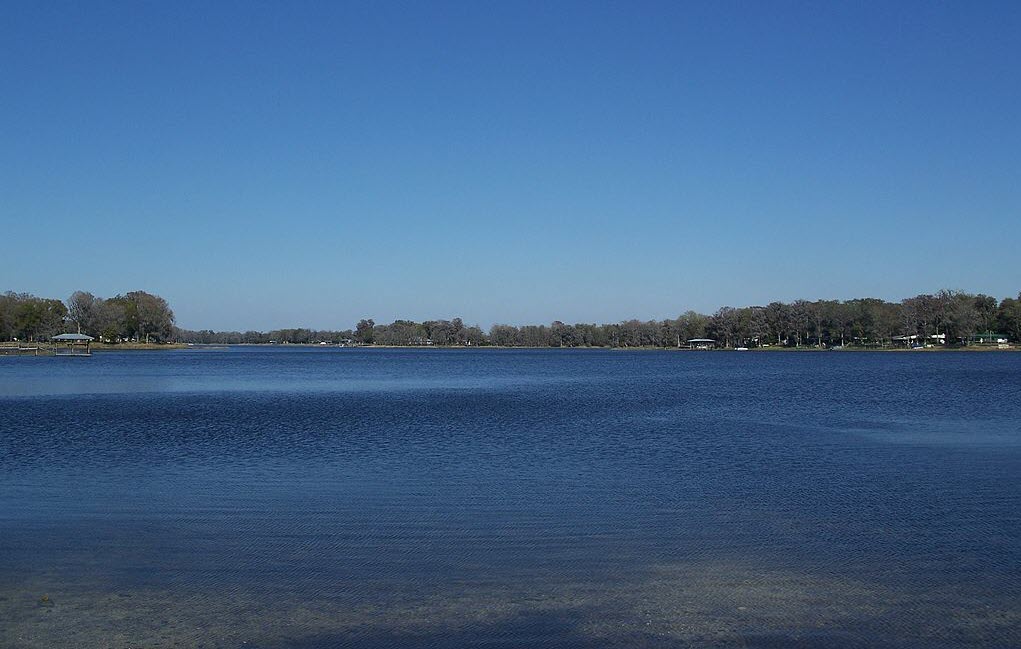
x: 1008, y: 318
x: 365, y: 331
x: 37, y: 318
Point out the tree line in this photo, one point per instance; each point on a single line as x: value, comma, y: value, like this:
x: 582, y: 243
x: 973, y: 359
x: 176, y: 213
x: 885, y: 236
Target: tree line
x: 136, y: 316
x: 944, y: 318
x: 947, y: 318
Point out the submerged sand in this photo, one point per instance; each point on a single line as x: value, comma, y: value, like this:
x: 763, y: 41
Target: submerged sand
x: 703, y: 605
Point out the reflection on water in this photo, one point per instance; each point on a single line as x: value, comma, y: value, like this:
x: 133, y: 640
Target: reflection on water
x: 439, y: 498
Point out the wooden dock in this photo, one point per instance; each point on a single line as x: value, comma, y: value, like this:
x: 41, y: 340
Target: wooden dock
x: 25, y: 350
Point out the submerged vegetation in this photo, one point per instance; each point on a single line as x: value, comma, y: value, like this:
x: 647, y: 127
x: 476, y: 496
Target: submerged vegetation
x: 944, y: 319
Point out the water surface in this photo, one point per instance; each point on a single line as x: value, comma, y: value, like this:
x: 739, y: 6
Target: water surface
x: 443, y: 498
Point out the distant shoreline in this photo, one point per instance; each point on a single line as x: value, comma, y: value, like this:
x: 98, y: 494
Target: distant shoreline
x: 945, y: 320
x: 47, y: 352
x: 970, y: 348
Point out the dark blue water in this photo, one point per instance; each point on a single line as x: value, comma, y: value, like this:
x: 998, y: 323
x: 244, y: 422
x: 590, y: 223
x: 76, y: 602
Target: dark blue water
x: 430, y: 498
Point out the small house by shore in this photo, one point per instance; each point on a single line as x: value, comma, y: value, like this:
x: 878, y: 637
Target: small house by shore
x: 72, y: 345
x: 989, y: 338
x: 701, y: 343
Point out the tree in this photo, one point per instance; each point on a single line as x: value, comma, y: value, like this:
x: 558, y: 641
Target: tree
x: 1008, y: 318
x: 8, y: 303
x: 692, y: 325
x: 155, y: 317
x: 888, y: 320
x: 83, y: 309
x: 778, y: 315
x: 723, y: 325
x: 364, y: 331
x: 960, y: 317
x: 841, y: 316
x: 503, y: 335
x: 986, y: 310
x: 138, y: 316
x: 921, y: 315
x: 801, y: 319
x: 474, y: 336
x: 109, y: 321
x: 758, y: 325
x: 37, y: 318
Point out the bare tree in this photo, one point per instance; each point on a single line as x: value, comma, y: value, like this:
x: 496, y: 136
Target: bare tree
x: 83, y: 309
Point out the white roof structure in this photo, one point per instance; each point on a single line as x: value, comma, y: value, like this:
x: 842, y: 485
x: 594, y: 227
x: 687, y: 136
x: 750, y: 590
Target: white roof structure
x: 82, y: 337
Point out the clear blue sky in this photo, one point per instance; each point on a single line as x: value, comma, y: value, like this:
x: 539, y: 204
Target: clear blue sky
x: 307, y: 164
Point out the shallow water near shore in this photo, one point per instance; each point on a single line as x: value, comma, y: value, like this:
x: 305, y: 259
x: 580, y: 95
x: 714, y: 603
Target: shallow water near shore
x: 448, y: 498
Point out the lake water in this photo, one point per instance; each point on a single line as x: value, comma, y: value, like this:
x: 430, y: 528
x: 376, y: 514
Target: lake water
x: 299, y: 498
